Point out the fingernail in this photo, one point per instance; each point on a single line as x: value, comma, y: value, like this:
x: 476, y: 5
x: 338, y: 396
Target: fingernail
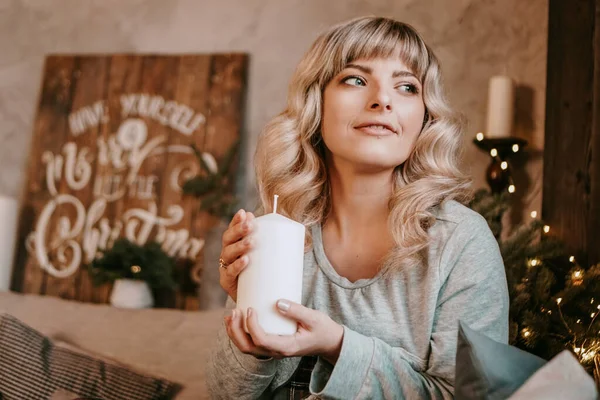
x: 244, y: 259
x: 234, y: 314
x: 283, y: 305
x: 249, y: 312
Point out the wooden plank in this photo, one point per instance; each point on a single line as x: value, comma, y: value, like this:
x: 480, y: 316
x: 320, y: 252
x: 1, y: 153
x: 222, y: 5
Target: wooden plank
x: 124, y: 78
x: 158, y: 84
x: 79, y: 149
x: 191, y: 92
x: 593, y: 249
x: 569, y: 203
x: 50, y: 129
x: 224, y: 119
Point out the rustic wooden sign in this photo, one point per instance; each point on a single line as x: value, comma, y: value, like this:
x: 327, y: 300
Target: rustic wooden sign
x: 110, y: 151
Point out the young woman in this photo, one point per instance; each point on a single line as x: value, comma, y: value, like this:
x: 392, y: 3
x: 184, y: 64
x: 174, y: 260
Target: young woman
x: 365, y: 156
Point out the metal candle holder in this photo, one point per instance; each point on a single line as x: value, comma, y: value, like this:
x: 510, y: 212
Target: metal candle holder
x: 498, y: 174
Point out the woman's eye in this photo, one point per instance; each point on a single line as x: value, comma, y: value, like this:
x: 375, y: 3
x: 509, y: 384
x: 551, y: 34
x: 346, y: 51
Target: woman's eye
x: 354, y: 81
x: 409, y: 88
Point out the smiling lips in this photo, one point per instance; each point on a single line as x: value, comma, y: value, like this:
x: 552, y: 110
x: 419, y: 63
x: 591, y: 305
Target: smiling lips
x: 376, y: 129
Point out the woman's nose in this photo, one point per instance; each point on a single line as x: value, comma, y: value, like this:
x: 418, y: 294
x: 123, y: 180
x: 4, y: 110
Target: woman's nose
x: 380, y: 101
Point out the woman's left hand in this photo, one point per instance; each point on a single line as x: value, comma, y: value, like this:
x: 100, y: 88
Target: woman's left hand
x: 317, y: 334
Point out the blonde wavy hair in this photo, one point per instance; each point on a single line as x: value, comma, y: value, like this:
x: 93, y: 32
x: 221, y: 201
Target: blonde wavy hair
x: 290, y: 155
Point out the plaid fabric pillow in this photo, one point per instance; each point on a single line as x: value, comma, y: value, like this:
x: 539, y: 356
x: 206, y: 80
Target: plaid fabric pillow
x: 32, y: 367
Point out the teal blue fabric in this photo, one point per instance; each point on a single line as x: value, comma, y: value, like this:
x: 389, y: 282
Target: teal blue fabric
x: 489, y: 370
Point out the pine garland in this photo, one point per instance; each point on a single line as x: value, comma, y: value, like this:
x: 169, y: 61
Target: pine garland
x: 554, y: 302
x: 128, y: 260
x: 213, y: 185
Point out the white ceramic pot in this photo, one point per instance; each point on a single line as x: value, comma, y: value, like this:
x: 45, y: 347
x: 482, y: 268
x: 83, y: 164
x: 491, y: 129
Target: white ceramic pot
x: 129, y: 293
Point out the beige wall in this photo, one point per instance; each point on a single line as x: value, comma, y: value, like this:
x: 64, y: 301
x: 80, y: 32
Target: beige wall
x: 474, y: 39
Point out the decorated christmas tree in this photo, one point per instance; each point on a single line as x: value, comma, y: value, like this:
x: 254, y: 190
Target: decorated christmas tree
x: 554, y: 301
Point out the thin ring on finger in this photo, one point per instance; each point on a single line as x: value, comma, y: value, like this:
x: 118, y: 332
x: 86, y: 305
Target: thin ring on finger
x: 223, y: 264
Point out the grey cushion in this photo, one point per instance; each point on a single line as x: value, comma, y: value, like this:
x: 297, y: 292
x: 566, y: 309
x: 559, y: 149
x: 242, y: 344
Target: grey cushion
x: 489, y: 370
x: 561, y: 378
x: 32, y: 367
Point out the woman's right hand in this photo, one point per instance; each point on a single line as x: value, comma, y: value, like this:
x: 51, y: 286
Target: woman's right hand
x: 234, y: 253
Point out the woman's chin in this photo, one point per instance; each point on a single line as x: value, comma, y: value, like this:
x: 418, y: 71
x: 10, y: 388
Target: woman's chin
x: 370, y: 164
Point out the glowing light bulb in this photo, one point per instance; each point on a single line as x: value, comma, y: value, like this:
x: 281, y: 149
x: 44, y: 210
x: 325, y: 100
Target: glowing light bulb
x: 493, y: 152
x: 480, y: 137
x: 503, y: 165
x: 511, y: 189
x: 534, y: 214
x: 534, y: 262
x: 515, y: 148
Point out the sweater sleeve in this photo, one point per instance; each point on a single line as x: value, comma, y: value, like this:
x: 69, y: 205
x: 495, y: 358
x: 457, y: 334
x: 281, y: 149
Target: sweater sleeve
x: 473, y: 289
x: 232, y: 374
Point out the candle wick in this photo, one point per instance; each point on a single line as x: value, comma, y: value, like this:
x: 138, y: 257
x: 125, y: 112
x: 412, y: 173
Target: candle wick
x: 275, y: 204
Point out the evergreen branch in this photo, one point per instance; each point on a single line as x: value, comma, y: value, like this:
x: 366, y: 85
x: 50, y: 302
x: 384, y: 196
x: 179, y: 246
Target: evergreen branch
x: 228, y: 159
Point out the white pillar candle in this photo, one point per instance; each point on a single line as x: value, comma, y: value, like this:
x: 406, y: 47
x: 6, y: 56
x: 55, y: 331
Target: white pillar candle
x: 274, y: 272
x: 9, y: 213
x: 500, y: 110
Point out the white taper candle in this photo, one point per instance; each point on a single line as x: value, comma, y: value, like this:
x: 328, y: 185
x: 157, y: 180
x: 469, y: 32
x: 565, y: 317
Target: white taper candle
x: 9, y: 208
x: 500, y: 107
x: 274, y: 271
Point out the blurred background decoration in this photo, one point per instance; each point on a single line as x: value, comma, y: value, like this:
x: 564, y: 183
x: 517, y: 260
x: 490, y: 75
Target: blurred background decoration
x: 114, y: 141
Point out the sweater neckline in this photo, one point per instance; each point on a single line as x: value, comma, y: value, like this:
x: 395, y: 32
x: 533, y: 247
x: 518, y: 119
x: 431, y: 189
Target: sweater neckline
x: 327, y: 268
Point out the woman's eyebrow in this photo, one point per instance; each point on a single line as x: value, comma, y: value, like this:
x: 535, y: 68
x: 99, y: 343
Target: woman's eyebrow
x: 396, y: 74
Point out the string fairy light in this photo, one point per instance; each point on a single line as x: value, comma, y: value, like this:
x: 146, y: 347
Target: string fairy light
x: 480, y: 137
x: 534, y: 262
x: 494, y: 152
x: 533, y: 214
x: 577, y: 277
x: 546, y: 229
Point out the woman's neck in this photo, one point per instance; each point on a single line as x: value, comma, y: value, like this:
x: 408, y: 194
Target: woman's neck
x: 359, y: 202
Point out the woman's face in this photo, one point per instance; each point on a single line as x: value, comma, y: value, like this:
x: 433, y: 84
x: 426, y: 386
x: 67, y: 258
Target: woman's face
x: 373, y: 111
